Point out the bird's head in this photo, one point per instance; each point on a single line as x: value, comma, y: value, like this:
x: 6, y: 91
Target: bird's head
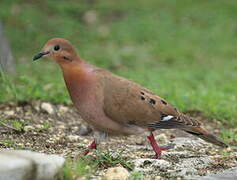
x: 58, y: 49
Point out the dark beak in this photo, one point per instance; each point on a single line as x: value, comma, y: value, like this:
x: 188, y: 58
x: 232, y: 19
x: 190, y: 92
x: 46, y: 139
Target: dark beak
x: 40, y: 55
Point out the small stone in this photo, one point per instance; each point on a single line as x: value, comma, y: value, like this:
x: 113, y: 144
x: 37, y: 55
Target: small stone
x: 47, y: 107
x: 18, y: 109
x: 82, y: 178
x: 9, y: 113
x: 162, y: 138
x: 73, y: 138
x: 139, y: 141
x: 63, y: 109
x: 75, y: 128
x: 86, y: 141
x: 38, y: 126
x: 61, y: 127
x: 28, y: 144
x: 28, y: 128
x: 157, y: 178
x: 116, y: 173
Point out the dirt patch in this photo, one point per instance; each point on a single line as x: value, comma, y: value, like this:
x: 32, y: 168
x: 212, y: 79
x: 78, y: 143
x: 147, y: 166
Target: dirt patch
x: 42, y: 131
x: 58, y: 129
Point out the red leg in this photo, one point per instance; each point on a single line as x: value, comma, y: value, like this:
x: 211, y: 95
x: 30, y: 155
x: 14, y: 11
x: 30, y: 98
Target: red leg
x: 156, y: 147
x: 91, y: 146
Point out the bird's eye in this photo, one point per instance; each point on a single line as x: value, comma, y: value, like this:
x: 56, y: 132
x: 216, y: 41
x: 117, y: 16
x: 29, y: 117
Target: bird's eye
x: 56, y: 47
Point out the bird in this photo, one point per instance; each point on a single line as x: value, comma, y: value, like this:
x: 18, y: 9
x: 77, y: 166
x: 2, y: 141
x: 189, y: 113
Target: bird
x: 114, y: 105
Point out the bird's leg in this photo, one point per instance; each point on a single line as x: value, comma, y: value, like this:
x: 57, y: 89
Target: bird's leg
x: 93, y: 145
x: 156, y: 147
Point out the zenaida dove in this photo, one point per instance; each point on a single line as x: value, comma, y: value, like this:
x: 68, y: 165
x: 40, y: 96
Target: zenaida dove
x: 115, y: 105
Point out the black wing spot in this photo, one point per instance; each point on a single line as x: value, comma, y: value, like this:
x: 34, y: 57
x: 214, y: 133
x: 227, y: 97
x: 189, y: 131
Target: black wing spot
x: 176, y: 109
x: 152, y: 101
x: 142, y: 98
x: 142, y: 93
x: 164, y: 102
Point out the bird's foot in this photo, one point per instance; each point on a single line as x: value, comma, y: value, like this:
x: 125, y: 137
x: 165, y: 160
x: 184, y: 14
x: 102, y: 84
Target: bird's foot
x: 158, y: 149
x: 93, y: 145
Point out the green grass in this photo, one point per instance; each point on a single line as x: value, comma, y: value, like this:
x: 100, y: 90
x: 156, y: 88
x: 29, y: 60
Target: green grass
x: 136, y: 175
x: 7, y: 143
x: 46, y: 126
x: 185, y: 51
x: 86, y: 166
x: 15, y: 125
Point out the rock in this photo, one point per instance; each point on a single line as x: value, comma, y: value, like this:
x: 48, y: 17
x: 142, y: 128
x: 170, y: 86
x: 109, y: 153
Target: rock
x: 84, y: 130
x: 230, y: 174
x: 16, y: 168
x: 9, y: 113
x: 47, y: 107
x: 184, y: 160
x: 189, y: 166
x: 116, y: 173
x: 190, y: 143
x: 24, y: 165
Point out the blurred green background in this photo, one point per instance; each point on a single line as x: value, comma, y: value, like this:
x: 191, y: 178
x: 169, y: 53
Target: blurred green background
x: 184, y: 50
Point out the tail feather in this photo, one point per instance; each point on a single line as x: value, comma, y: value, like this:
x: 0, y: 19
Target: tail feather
x: 205, y: 135
x: 188, y: 124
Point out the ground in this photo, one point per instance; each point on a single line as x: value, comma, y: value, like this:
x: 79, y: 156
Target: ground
x: 58, y: 129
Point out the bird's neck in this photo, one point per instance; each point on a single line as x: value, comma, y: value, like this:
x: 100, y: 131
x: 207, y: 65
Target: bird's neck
x: 79, y: 81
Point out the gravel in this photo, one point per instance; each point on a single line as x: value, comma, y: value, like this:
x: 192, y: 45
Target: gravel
x: 60, y: 130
